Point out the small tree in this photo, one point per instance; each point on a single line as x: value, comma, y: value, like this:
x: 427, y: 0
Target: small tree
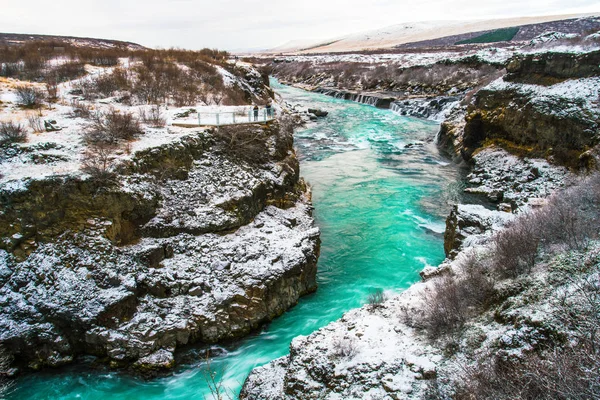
x: 52, y: 89
x: 214, y: 380
x: 35, y: 122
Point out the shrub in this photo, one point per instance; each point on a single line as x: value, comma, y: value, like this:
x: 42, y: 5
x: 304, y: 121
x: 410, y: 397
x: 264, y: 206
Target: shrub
x: 98, y: 161
x: 29, y: 96
x: 67, y: 71
x: 35, y: 123
x: 561, y: 373
x: 52, y: 90
x: 152, y: 117
x: 516, y: 246
x: 107, y: 84
x: 11, y: 132
x: 10, y: 70
x: 570, y: 220
x: 80, y: 109
x: 344, y: 347
x: 559, y: 370
x: 376, y: 298
x: 244, y: 142
x: 112, y: 126
x: 454, y: 299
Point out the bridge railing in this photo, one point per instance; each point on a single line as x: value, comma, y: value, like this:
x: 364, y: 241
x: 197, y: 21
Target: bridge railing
x: 247, y: 116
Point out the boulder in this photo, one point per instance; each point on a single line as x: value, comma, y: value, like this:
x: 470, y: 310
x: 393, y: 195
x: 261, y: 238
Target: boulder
x: 317, y: 112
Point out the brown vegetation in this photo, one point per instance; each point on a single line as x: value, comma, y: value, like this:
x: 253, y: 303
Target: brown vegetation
x: 435, y: 79
x: 98, y: 161
x: 11, y: 132
x: 112, y: 127
x: 555, y: 368
x: 29, y: 96
x: 152, y: 117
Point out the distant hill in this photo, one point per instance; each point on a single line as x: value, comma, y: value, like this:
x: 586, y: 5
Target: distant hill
x: 18, y: 38
x: 442, y: 33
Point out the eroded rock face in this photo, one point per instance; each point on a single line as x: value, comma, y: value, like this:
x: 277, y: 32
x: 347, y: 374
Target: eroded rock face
x: 511, y: 182
x: 561, y: 120
x: 549, y: 68
x: 469, y: 225
x: 225, y: 246
x: 436, y: 109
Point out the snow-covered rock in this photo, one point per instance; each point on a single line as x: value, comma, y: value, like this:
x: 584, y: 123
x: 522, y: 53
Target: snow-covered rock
x: 191, y: 244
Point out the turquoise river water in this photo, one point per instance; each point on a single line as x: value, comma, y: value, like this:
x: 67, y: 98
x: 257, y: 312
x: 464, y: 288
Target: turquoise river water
x: 381, y: 210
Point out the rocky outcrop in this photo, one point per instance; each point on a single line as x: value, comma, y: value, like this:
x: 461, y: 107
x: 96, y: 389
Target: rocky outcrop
x: 189, y: 244
x: 551, y: 67
x: 560, y: 121
x: 511, y: 182
x: 436, y: 109
x: 368, y: 353
x: 472, y: 223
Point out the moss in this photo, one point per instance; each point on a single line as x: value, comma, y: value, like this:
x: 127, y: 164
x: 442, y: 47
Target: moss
x: 499, y: 35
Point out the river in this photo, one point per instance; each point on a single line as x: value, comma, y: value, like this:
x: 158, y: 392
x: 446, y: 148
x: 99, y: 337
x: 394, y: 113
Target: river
x: 381, y: 192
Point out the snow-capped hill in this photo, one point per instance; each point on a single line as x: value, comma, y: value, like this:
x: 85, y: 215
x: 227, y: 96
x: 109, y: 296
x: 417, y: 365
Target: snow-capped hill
x: 415, y: 32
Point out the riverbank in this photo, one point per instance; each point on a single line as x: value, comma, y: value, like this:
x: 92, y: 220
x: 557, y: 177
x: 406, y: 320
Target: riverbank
x: 490, y: 314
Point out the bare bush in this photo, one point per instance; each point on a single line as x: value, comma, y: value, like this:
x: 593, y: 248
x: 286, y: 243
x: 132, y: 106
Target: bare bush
x: 559, y: 370
x: 456, y: 298
x: 376, y: 298
x: 112, y: 126
x: 29, y: 96
x: 10, y: 70
x: 98, y: 161
x: 11, y: 132
x: 108, y: 84
x: 344, y: 347
x: 214, y: 380
x: 67, y: 71
x: 35, y: 122
x: 152, y: 117
x: 104, y: 85
x: 516, y: 246
x: 244, y: 142
x: 570, y: 220
x: 571, y: 372
x: 80, y: 110
x: 52, y: 90
x: 573, y: 217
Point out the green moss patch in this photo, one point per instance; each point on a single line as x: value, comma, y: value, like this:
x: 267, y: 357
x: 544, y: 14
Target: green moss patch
x: 499, y: 35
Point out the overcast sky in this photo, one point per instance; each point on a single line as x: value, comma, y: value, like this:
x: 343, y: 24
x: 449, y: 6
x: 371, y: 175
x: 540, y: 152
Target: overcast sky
x: 240, y: 24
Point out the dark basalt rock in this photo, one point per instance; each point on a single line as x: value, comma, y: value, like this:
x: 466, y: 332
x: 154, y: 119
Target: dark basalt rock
x: 132, y: 271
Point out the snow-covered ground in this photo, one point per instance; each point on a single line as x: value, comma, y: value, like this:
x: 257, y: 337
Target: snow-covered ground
x: 62, y: 151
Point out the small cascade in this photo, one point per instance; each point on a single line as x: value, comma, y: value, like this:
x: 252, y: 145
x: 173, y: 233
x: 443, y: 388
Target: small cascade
x: 433, y: 109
